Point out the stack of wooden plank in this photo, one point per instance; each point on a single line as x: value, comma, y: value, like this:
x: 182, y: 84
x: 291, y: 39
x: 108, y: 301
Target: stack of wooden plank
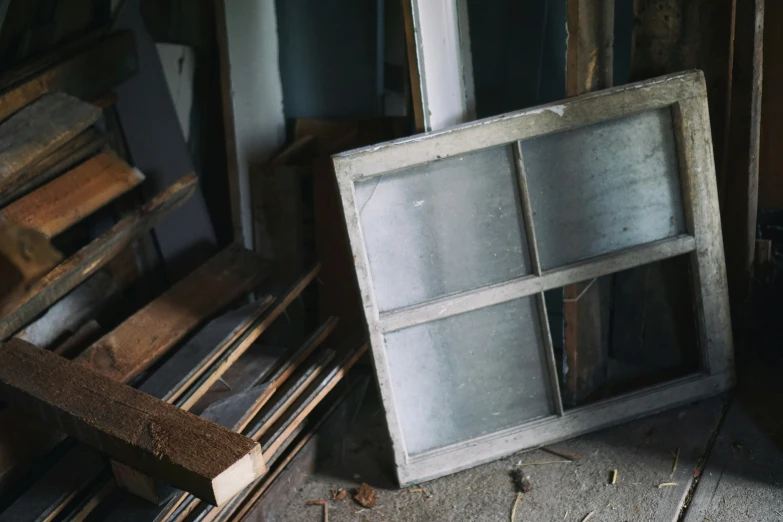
x: 162, y: 412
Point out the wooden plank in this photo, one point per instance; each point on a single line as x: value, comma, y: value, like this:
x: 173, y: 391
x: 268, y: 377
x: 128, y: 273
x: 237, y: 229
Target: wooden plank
x: 227, y: 359
x: 75, y: 151
x: 40, y: 128
x: 191, y: 361
x: 590, y: 46
x: 234, y: 413
x: 87, y: 75
x: 739, y: 185
x: 166, y: 383
x: 140, y: 341
x: 587, y: 305
x: 77, y: 268
x: 78, y: 193
x: 212, y: 462
x: 770, y: 179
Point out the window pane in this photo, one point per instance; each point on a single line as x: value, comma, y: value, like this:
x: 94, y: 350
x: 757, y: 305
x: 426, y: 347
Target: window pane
x: 469, y: 374
x: 604, y: 187
x: 441, y: 228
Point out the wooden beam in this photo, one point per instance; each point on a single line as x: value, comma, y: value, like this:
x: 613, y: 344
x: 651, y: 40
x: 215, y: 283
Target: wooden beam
x: 86, y: 75
x: 39, y: 129
x: 586, y: 305
x: 203, y: 458
x: 75, y: 151
x: 78, y: 193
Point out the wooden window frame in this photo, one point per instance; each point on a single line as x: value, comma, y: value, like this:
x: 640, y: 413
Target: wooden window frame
x: 685, y: 94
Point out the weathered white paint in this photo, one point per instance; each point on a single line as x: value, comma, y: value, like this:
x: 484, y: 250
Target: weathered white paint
x: 179, y: 67
x: 442, y: 40
x: 256, y: 98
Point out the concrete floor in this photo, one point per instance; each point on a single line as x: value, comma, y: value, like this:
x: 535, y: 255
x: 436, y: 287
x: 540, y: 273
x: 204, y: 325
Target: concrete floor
x: 740, y: 480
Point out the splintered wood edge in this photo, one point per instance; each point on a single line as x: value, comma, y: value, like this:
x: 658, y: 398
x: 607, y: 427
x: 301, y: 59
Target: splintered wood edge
x: 238, y: 476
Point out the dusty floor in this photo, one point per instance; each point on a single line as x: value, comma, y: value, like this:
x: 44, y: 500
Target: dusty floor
x: 740, y: 480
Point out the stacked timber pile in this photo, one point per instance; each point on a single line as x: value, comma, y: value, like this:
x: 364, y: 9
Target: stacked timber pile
x: 176, y: 408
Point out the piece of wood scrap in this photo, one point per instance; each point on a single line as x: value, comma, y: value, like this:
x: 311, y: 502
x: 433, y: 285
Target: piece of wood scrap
x: 87, y: 261
x: 41, y: 128
x: 83, y: 146
x: 203, y: 458
x: 68, y: 199
x: 137, y: 343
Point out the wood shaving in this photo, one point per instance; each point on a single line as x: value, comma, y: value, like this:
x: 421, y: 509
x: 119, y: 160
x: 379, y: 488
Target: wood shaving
x: 316, y: 503
x: 365, y: 496
x: 520, y: 463
x: 676, y: 460
x: 514, y: 508
x: 614, y: 476
x: 339, y: 494
x: 588, y: 516
x: 568, y: 456
x: 667, y: 485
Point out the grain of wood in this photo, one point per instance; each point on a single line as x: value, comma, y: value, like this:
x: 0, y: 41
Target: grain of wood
x: 72, y: 153
x: 140, y: 341
x: 78, y: 193
x: 77, y: 268
x: 41, y: 128
x: 208, y: 460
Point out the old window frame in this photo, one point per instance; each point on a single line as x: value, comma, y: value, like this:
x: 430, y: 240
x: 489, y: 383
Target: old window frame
x: 685, y: 94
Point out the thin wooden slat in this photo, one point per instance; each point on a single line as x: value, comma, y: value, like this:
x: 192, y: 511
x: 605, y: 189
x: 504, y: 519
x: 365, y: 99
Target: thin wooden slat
x: 230, y: 357
x: 78, y: 193
x: 236, y: 411
x: 136, y: 344
x: 86, y: 75
x: 210, y: 461
x: 75, y: 151
x: 39, y: 129
x: 77, y: 268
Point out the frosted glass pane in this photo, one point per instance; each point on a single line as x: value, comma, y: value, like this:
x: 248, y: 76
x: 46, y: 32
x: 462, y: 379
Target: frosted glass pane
x: 446, y: 227
x: 468, y: 375
x: 604, y: 187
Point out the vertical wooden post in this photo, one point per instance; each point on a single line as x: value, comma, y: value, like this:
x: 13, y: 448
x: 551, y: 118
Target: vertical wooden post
x: 586, y: 306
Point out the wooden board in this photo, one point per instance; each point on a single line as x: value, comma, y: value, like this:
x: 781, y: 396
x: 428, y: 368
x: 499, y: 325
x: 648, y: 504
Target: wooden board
x: 211, y: 462
x: 78, y: 193
x: 40, y: 128
x: 77, y: 268
x: 86, y: 75
x: 73, y: 152
x: 138, y: 342
x: 587, y: 305
x: 166, y: 383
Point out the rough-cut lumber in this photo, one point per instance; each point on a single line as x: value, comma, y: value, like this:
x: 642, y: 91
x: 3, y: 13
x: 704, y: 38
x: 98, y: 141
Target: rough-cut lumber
x: 166, y: 384
x: 86, y: 75
x: 236, y: 411
x: 201, y: 457
x: 25, y: 256
x: 590, y: 46
x: 77, y: 268
x: 78, y: 193
x: 137, y: 343
x: 72, y: 153
x: 230, y: 357
x: 41, y: 128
